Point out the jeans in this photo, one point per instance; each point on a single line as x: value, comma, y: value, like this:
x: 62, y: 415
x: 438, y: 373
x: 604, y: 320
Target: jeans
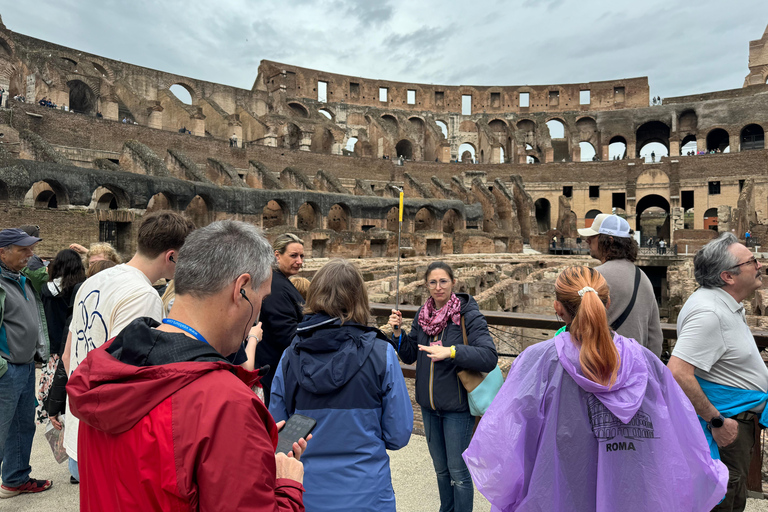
x: 17, y: 422
x: 737, y: 457
x: 73, y: 469
x: 448, y: 435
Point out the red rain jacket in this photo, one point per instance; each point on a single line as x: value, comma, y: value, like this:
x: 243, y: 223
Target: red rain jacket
x: 182, y: 436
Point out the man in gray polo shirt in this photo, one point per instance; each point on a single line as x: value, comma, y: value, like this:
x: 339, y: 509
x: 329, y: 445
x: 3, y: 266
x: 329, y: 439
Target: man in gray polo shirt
x: 23, y: 332
x: 715, y: 345
x: 610, y: 241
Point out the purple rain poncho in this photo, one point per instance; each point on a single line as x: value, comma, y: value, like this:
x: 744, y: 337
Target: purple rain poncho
x: 553, y: 440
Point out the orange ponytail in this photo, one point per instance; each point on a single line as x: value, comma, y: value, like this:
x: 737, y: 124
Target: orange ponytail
x: 589, y: 328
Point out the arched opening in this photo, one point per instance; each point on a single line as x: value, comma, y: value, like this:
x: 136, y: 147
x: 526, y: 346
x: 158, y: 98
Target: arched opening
x: 653, y: 151
x: 710, y: 219
x: 290, y: 136
x: 617, y: 148
x: 417, y: 125
x: 100, y: 69
x: 502, y: 156
x: 81, y: 97
x: 589, y: 218
x: 443, y: 128
x: 688, y: 122
x: 298, y: 110
x: 350, y: 147
x: 499, y: 128
x: 393, y: 219
x: 68, y: 64
x: 389, y: 122
x: 159, y: 201
x: 307, y: 217
x: 45, y: 194
x: 104, y: 199
x: 718, y: 141
x: 424, y: 220
x: 527, y: 127
x: 587, y: 152
x: 182, y: 93
x: 556, y: 129
x: 530, y: 159
x: 652, y: 219
x: 688, y: 146
x: 752, y: 137
x: 198, y: 212
x: 467, y: 153
x: 322, y: 141
x: 46, y: 199
x: 272, y: 215
x: 653, y: 132
x: 327, y: 113
x: 543, y: 209
x: 404, y: 148
x: 451, y: 221
x: 338, y: 217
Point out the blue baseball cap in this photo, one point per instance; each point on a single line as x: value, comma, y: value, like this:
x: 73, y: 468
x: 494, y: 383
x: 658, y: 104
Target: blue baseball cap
x: 16, y: 236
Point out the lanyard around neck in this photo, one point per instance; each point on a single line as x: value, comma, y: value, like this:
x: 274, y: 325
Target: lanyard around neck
x: 184, y: 327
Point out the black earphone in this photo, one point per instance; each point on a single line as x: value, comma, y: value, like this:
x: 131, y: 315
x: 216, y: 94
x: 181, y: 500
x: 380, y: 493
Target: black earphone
x: 170, y: 258
x: 247, y: 327
x: 242, y: 292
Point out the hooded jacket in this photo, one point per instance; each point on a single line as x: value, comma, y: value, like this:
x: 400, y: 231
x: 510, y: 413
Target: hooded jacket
x: 187, y: 430
x: 346, y: 377
x: 437, y: 383
x: 554, y: 440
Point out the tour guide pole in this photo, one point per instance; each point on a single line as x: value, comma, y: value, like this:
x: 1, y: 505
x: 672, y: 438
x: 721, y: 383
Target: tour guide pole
x: 399, y: 230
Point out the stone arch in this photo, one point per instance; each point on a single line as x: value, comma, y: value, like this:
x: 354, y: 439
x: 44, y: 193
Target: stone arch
x: 161, y: 201
x: 556, y: 127
x: 199, y: 211
x: 467, y: 152
x: 718, y: 139
x: 339, y: 217
x: 688, y: 144
x: 349, y: 147
x: 424, y: 220
x: 688, y: 122
x: 404, y: 148
x: 46, y: 194
x: 193, y: 94
x: 417, y: 124
x: 652, y: 131
x: 443, y: 126
x: 182, y: 93
x: 752, y: 137
x: 322, y: 141
x: 617, y: 148
x: 451, y: 221
x: 102, y: 70
x: 67, y: 63
x: 308, y: 217
x: 82, y: 98
x: 654, y: 227
x: 7, y: 45
x: 273, y: 214
x: 587, y: 127
x: 389, y: 121
x: 298, y: 109
x: 108, y: 197
x: 710, y: 219
x: 393, y: 219
x: 290, y: 136
x: 543, y: 214
x: 498, y: 125
x: 526, y: 125
x: 327, y: 112
x: 590, y: 217
x: 587, y: 151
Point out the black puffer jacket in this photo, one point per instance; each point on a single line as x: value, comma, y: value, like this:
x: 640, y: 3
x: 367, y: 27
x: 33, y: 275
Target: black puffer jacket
x: 437, y: 383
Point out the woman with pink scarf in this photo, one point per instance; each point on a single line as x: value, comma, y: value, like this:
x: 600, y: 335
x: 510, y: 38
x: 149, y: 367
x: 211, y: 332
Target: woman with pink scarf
x: 436, y: 344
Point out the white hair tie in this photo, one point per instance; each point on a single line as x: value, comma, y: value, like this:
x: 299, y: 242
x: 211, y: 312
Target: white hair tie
x: 587, y: 289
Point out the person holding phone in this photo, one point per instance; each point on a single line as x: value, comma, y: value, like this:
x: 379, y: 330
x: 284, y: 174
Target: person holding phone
x: 163, y: 400
x: 346, y: 376
x: 436, y: 344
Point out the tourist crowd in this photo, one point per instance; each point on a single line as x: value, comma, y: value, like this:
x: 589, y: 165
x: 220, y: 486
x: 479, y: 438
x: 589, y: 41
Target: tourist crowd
x: 174, y: 397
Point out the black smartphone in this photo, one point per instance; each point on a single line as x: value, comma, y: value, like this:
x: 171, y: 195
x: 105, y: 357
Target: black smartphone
x: 297, y: 427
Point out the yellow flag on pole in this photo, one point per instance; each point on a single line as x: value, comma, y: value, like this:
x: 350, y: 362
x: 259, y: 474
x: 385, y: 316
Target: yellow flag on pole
x: 401, y: 207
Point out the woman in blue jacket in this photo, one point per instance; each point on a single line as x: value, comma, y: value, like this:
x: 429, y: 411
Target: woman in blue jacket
x: 437, y: 345
x: 346, y: 376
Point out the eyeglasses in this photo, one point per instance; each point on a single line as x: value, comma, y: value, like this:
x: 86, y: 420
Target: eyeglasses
x: 752, y: 260
x: 443, y: 284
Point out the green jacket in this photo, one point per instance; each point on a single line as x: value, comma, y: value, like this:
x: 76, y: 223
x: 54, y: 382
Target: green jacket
x: 37, y: 278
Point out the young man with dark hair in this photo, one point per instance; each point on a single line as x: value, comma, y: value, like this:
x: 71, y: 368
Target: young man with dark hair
x: 111, y: 299
x: 633, y: 311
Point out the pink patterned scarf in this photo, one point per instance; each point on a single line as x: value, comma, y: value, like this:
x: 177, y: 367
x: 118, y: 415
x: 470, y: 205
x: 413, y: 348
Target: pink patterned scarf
x: 432, y: 322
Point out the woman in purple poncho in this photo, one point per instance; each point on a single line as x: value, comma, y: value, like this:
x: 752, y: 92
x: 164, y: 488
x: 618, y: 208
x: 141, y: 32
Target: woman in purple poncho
x: 592, y: 421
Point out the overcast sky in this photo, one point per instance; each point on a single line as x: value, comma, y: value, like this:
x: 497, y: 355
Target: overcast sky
x: 683, y: 47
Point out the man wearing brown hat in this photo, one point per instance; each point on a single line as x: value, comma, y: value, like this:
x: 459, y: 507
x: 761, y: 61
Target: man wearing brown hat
x: 23, y: 333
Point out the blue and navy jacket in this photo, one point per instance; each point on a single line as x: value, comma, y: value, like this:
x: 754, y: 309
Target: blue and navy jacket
x: 348, y: 378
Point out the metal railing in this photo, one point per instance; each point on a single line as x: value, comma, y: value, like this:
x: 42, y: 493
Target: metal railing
x: 657, y: 251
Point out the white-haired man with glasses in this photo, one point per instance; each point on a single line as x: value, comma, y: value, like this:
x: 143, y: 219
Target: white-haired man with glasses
x: 717, y: 362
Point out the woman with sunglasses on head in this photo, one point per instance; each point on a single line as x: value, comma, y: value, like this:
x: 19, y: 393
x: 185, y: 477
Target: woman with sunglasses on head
x: 436, y: 343
x: 592, y: 421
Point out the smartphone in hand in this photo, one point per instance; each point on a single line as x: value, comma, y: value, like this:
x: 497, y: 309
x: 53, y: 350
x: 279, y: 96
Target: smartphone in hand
x: 298, y: 426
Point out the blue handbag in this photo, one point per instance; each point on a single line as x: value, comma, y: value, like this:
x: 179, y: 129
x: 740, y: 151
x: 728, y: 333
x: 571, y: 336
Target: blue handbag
x: 481, y: 387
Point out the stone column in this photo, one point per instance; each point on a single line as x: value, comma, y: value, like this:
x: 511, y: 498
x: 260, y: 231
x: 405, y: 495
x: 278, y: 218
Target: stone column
x: 676, y: 221
x: 306, y: 140
x: 109, y: 109
x: 155, y: 116
x: 674, y: 148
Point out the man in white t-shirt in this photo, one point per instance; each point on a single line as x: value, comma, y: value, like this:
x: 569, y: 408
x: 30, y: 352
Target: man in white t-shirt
x: 113, y: 298
x: 715, y: 344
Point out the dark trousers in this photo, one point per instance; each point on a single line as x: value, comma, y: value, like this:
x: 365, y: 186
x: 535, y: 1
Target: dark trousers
x: 737, y: 457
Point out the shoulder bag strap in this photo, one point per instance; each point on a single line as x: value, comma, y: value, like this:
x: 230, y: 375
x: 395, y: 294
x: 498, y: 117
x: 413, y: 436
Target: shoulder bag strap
x: 615, y: 325
x: 463, y: 331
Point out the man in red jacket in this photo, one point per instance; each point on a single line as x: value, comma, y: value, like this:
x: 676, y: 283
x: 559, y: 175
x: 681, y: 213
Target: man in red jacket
x: 167, y: 423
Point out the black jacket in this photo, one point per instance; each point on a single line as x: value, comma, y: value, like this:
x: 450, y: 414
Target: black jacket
x: 437, y: 384
x: 281, y: 313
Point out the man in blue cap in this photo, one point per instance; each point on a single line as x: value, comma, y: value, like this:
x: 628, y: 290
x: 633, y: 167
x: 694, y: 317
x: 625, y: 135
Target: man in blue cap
x: 23, y: 333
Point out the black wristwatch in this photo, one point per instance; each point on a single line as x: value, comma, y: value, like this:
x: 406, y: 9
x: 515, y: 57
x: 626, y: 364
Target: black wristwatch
x: 716, y: 422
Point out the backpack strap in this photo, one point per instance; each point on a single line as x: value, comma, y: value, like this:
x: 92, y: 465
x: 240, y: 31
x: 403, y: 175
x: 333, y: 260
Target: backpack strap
x: 463, y: 331
x: 619, y: 321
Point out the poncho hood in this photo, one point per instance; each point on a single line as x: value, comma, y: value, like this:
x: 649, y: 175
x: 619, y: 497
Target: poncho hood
x: 624, y: 398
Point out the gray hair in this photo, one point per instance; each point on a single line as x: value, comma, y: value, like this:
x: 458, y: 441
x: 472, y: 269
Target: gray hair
x: 214, y: 256
x: 713, y: 259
